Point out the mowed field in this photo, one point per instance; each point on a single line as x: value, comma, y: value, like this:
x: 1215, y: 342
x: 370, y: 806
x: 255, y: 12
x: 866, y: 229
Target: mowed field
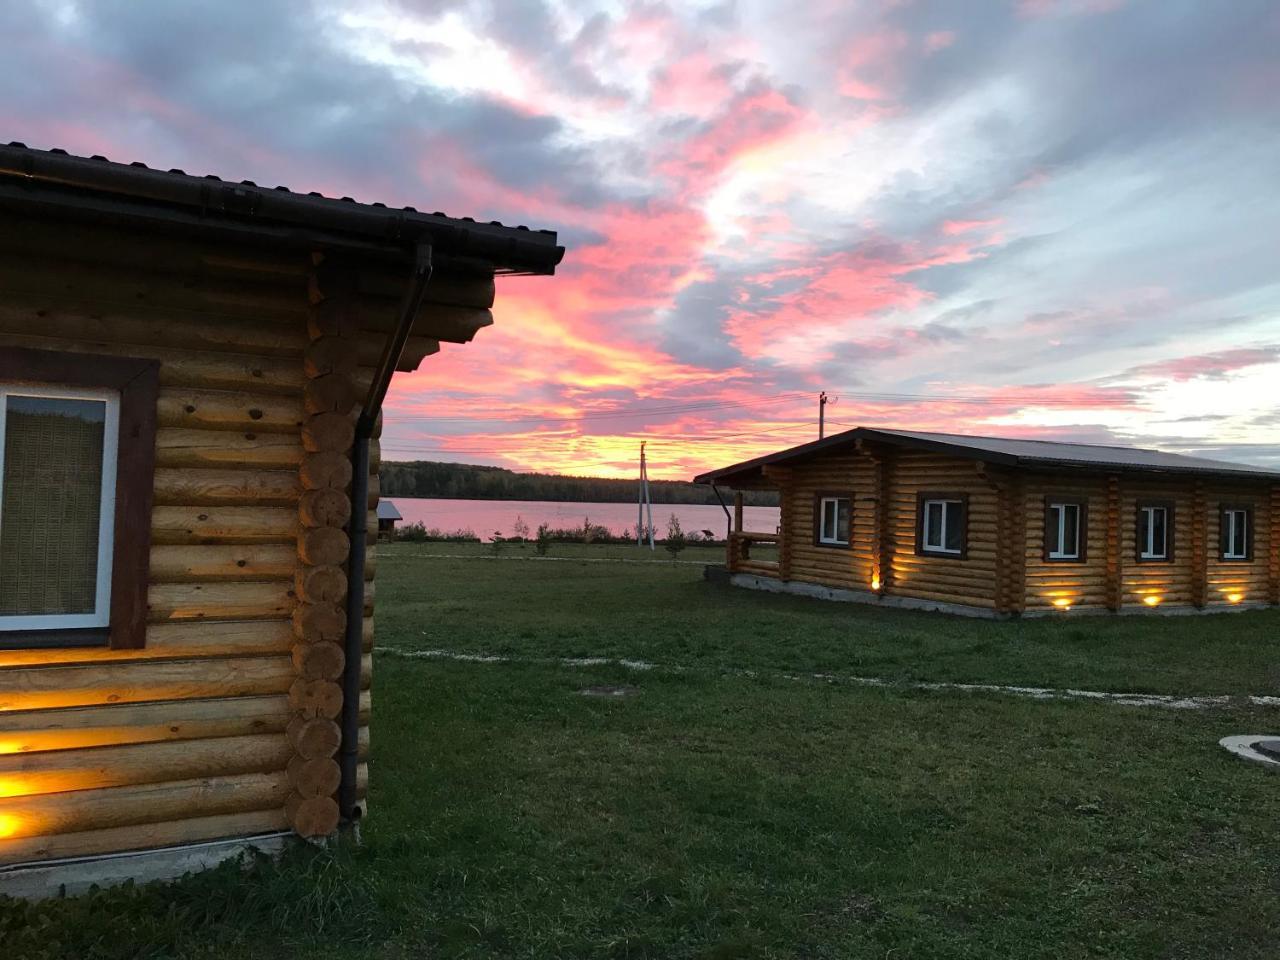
x: 745, y: 794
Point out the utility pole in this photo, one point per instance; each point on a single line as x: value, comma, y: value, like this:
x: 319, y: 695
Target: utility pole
x: 645, y: 498
x: 640, y: 500
x: 822, y: 413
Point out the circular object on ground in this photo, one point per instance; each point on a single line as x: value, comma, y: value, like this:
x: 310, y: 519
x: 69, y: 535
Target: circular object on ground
x: 1263, y: 748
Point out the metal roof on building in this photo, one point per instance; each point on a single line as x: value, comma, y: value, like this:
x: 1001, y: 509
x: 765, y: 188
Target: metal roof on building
x: 387, y: 511
x: 53, y: 181
x: 1008, y: 451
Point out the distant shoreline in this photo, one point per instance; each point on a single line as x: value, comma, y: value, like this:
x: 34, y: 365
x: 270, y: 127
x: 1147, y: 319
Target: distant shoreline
x: 435, y: 480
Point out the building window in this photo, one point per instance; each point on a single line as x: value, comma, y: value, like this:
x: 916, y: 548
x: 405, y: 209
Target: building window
x: 1235, y: 524
x: 1155, y: 532
x: 57, y: 506
x: 832, y: 520
x: 1066, y: 530
x: 77, y: 451
x: 941, y: 524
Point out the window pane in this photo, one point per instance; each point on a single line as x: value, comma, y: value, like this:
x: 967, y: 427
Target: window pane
x: 842, y: 527
x: 955, y: 526
x: 52, y: 495
x: 828, y: 523
x: 933, y: 524
x: 1240, y: 541
x: 1070, y: 529
x: 1158, y: 516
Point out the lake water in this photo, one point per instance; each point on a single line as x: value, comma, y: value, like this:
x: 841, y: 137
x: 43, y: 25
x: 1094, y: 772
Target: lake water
x: 485, y: 517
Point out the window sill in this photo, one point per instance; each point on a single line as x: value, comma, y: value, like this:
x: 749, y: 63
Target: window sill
x: 53, y: 639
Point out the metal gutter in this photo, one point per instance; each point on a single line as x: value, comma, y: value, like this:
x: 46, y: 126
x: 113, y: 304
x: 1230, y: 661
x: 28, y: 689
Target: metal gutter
x: 357, y: 534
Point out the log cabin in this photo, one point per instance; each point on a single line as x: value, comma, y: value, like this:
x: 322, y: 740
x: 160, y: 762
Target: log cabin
x: 993, y: 527
x: 388, y: 517
x: 191, y: 377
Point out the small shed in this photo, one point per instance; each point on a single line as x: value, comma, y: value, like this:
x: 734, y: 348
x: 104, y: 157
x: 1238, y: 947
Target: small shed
x: 990, y: 526
x: 388, y: 515
x: 191, y: 374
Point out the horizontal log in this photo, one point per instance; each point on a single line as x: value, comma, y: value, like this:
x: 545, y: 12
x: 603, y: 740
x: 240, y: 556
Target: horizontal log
x: 219, y: 601
x: 60, y: 771
x: 244, y: 562
x: 223, y: 524
x: 35, y: 688
x: 82, y: 810
x: 225, y: 448
x: 188, y: 408
x: 75, y: 318
x: 185, y: 296
x: 202, y: 486
x: 184, y: 368
x: 973, y: 600
x: 74, y: 728
x: 444, y: 288
x: 312, y: 816
x: 152, y: 835
x: 179, y: 640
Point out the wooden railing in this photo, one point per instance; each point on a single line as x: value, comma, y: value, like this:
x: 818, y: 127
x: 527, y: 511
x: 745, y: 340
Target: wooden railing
x: 740, y: 559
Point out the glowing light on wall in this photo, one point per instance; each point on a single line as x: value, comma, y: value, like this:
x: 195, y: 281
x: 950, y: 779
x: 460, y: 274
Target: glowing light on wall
x: 875, y: 583
x: 1062, y: 603
x: 8, y: 825
x: 1234, y: 597
x: 1151, y: 600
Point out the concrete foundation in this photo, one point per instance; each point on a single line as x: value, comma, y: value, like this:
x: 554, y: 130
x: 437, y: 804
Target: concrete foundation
x: 67, y: 878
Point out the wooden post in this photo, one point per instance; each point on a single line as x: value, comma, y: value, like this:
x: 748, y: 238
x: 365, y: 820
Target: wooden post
x: 333, y: 329
x: 737, y: 511
x: 1273, y: 547
x: 781, y: 477
x: 1114, y: 560
x: 885, y: 544
x: 1199, y: 549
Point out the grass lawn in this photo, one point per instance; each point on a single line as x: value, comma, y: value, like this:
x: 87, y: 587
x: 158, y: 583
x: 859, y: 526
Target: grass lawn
x: 717, y: 814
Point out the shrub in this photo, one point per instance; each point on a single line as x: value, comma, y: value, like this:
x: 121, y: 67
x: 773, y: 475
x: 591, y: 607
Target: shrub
x: 421, y: 533
x: 676, y: 540
x: 520, y: 529
x: 543, y: 543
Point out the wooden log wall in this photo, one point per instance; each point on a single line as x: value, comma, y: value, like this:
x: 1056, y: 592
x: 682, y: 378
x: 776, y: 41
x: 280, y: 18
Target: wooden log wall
x: 1230, y: 582
x: 850, y: 475
x: 221, y: 725
x: 971, y: 581
x: 1065, y: 585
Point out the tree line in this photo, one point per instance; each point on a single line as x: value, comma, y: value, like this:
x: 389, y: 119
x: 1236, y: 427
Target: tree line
x: 468, y: 481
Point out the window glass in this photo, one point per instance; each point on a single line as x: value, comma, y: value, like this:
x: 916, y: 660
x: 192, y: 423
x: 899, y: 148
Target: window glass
x: 933, y: 524
x: 1062, y: 532
x: 1236, y: 525
x: 834, y: 520
x: 51, y: 509
x: 1153, y: 533
x: 954, y: 526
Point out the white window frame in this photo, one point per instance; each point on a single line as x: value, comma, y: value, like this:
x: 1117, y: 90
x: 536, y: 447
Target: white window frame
x: 1148, y: 551
x: 1233, y: 550
x: 1060, y: 508
x: 941, y: 547
x: 833, y: 540
x: 101, y: 615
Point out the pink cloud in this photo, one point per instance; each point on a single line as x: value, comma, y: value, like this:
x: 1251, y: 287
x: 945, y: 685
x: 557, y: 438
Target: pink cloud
x: 1208, y: 366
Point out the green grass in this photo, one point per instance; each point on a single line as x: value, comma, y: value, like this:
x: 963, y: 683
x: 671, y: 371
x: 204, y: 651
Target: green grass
x: 573, y: 607
x: 719, y: 815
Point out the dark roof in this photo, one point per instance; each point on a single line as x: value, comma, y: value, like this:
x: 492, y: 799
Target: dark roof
x: 1002, y: 450
x: 387, y: 511
x: 55, y: 182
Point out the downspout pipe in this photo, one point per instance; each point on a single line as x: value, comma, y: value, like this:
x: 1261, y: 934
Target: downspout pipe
x: 728, y: 517
x: 352, y: 647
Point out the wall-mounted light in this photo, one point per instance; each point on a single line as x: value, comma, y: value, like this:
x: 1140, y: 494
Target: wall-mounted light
x: 8, y: 825
x: 1151, y: 600
x: 875, y: 583
x: 1062, y: 603
x: 1234, y: 597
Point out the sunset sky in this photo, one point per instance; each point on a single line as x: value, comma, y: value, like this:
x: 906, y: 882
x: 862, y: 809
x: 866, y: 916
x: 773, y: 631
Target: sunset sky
x: 1048, y: 218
